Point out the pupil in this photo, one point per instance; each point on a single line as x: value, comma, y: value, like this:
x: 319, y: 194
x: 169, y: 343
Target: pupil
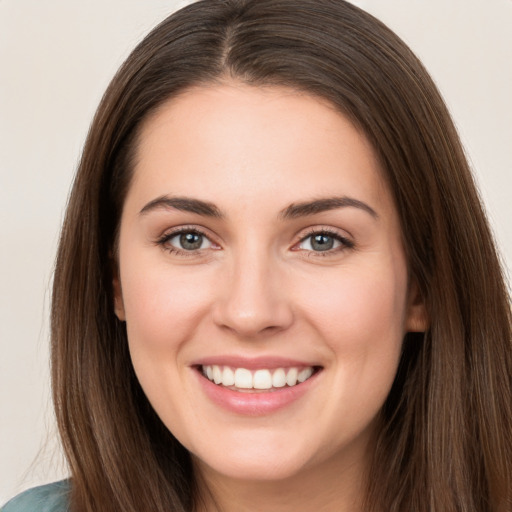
x: 191, y: 241
x: 322, y: 242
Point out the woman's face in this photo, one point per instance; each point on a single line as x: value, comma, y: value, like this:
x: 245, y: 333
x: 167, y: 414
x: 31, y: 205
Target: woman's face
x: 263, y: 281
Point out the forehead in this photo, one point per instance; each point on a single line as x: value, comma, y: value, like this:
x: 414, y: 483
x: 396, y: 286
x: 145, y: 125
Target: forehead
x: 234, y: 141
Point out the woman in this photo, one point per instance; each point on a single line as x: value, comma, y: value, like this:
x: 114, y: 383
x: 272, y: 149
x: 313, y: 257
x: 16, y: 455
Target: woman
x: 275, y: 286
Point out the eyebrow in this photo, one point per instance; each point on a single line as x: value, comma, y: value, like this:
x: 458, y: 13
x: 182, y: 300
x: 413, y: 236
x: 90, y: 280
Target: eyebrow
x: 294, y: 211
x: 307, y: 208
x: 184, y: 204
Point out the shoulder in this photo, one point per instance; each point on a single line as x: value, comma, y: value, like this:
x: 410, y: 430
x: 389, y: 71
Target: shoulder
x: 46, y: 498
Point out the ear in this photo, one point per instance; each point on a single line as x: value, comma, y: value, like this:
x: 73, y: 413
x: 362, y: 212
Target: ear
x: 118, y: 293
x: 417, y: 318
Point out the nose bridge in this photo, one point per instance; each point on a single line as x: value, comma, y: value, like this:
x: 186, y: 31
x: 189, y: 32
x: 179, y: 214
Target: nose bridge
x: 253, y: 298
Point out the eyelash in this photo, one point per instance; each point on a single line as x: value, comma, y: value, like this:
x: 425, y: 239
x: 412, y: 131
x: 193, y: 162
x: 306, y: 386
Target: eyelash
x: 345, y: 242
x: 163, y: 241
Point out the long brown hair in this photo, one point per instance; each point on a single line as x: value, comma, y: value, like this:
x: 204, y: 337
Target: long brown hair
x: 445, y: 442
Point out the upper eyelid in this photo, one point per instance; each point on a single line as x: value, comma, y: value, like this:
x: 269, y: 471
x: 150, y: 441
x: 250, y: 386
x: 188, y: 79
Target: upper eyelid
x: 336, y: 232
x: 171, y: 232
x: 174, y: 234
x: 342, y: 235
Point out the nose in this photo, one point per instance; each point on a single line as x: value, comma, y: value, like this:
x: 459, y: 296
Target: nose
x: 252, y: 300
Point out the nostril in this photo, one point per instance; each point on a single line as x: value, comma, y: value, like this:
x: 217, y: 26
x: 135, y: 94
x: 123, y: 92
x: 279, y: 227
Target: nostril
x: 254, y: 319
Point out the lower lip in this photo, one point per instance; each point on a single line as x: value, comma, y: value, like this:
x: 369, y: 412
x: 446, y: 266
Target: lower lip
x: 256, y: 403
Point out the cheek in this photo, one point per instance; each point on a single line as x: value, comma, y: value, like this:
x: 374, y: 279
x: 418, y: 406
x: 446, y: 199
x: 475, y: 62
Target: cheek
x: 356, y: 305
x: 163, y: 309
x: 360, y: 317
x: 162, y: 305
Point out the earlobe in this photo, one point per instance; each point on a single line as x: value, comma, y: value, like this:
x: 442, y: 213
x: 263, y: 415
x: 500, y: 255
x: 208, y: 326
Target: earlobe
x: 118, y: 297
x: 417, y: 318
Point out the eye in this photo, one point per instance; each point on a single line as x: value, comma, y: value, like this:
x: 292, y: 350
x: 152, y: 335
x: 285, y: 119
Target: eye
x: 324, y: 241
x: 185, y: 240
x: 190, y: 241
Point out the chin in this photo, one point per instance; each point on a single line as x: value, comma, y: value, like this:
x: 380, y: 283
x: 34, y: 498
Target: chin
x: 255, y: 471
x: 255, y: 462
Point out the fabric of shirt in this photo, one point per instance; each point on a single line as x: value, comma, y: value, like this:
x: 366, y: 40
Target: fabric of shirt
x: 46, y: 498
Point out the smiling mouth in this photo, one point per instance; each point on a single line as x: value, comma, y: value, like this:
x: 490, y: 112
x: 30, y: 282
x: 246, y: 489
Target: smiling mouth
x: 261, y: 380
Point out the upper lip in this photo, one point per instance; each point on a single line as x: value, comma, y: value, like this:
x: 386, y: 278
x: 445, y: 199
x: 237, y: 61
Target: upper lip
x: 252, y: 363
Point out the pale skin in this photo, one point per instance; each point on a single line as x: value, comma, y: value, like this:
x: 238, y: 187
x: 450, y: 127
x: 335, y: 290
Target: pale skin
x: 325, y: 284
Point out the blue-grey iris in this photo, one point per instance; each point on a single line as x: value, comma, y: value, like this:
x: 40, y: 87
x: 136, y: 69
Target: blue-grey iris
x: 322, y: 242
x: 191, y: 241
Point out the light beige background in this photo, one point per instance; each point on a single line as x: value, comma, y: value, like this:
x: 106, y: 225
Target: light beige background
x: 56, y: 58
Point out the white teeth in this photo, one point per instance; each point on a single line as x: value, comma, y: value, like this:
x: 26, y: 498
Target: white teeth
x: 260, y: 379
x: 305, y: 374
x: 217, y: 375
x: 291, y: 376
x: 243, y: 378
x: 279, y: 378
x: 228, y: 377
